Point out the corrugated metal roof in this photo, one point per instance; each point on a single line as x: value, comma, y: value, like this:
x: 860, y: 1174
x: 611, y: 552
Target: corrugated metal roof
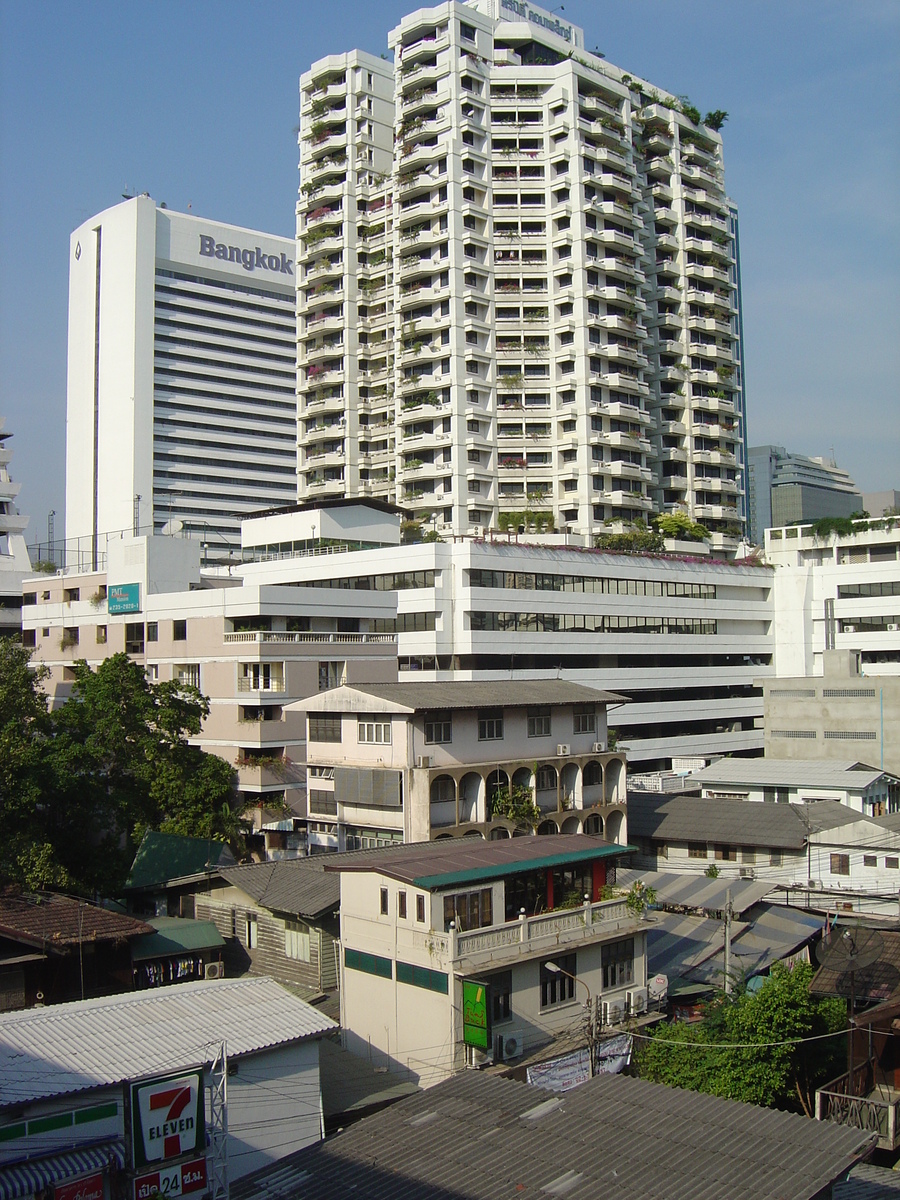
x: 458, y: 860
x: 95, y: 1043
x: 613, y: 1138
x: 697, y: 891
x: 299, y: 886
x: 868, y: 1182
x: 510, y: 693
x: 692, y: 948
x: 732, y: 822
x: 790, y: 772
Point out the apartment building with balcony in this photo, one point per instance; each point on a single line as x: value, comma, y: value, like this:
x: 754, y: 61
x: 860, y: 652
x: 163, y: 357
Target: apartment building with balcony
x: 251, y: 649
x: 408, y: 762
x: 685, y: 640
x: 461, y: 952
x: 517, y: 284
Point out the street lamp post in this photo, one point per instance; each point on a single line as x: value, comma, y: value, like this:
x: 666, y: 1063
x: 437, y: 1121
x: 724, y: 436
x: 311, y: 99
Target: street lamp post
x: 556, y: 969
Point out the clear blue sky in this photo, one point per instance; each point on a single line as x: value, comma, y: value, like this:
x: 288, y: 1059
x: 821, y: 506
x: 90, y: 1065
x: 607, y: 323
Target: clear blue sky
x: 197, y: 103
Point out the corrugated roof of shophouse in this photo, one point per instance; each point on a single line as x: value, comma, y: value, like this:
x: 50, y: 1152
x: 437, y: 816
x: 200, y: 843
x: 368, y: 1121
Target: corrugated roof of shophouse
x: 68, y: 1048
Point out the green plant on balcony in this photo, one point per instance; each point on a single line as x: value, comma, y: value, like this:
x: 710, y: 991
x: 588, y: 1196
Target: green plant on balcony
x: 515, y: 803
x: 639, y: 540
x: 640, y: 897
x: 44, y: 566
x: 511, y: 381
x: 715, y: 119
x: 413, y: 464
x: 318, y: 110
x: 679, y: 525
x: 68, y: 640
x: 725, y: 370
x: 97, y: 599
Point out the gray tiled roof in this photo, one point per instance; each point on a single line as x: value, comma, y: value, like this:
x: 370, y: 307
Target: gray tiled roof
x: 614, y: 1138
x: 732, y: 822
x: 868, y: 1182
x: 300, y: 886
x: 465, y: 694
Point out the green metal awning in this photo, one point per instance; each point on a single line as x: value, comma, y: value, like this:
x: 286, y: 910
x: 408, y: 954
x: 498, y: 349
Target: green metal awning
x: 176, y: 935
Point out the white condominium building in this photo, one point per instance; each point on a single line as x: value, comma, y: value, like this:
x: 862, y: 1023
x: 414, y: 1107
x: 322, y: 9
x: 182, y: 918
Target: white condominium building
x: 517, y: 283
x: 180, y: 401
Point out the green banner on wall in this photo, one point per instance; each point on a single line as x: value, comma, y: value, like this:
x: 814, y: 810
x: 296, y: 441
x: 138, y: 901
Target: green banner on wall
x: 476, y: 1022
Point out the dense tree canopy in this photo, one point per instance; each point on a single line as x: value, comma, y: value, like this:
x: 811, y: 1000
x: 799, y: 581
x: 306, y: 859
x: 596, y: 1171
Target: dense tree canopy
x: 755, y: 1046
x: 80, y: 785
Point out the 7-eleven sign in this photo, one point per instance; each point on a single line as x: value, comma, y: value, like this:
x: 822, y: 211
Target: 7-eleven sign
x: 167, y: 1118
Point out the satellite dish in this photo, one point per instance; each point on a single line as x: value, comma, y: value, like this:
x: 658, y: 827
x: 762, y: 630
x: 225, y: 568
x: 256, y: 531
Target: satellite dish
x: 851, y: 948
x: 658, y: 987
x: 172, y: 527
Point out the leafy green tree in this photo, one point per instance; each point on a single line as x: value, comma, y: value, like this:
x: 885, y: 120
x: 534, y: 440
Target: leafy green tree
x: 80, y: 786
x: 679, y: 525
x: 738, y: 1050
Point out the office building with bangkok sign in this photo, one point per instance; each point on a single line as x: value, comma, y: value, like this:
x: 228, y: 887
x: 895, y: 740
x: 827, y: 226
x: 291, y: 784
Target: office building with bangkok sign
x: 180, y: 390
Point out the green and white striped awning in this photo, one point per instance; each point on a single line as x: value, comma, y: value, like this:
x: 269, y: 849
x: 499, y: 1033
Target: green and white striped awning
x: 27, y: 1178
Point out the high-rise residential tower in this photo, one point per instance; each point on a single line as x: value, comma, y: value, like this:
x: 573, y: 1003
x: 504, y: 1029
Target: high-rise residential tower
x: 181, y: 409
x: 14, y: 560
x: 517, y: 286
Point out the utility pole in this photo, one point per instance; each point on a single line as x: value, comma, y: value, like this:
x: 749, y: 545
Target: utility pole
x: 729, y: 913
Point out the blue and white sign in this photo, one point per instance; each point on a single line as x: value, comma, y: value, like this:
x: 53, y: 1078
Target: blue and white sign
x: 123, y: 598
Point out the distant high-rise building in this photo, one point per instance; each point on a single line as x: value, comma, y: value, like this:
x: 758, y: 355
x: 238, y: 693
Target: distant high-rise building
x: 181, y: 399
x: 785, y: 489
x: 518, y: 293
x: 14, y: 560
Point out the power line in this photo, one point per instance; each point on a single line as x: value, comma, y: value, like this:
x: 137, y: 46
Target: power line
x: 818, y: 1037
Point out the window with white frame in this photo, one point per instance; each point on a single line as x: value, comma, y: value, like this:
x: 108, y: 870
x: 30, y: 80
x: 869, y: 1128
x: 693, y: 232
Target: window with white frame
x: 584, y: 719
x: 539, y: 721
x: 375, y: 732
x: 296, y: 940
x: 188, y: 674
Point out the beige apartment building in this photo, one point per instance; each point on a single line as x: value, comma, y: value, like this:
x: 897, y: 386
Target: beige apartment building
x: 251, y: 649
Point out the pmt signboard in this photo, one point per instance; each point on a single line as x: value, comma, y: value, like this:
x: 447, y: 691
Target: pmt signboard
x: 167, y: 1118
x: 123, y: 598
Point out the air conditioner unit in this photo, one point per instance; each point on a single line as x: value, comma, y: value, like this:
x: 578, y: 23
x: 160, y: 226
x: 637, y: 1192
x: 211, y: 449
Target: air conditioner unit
x: 598, y: 748
x: 610, y: 1012
x: 849, y: 629
x: 214, y: 970
x: 747, y: 873
x: 423, y: 761
x: 563, y: 749
x: 814, y: 883
x: 509, y: 1045
x: 480, y: 1058
x: 893, y: 627
x: 636, y: 1001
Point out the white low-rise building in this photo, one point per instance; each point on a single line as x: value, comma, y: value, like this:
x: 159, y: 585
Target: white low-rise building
x: 821, y: 855
x: 62, y: 1070
x: 862, y: 788
x: 457, y: 953
x: 414, y: 761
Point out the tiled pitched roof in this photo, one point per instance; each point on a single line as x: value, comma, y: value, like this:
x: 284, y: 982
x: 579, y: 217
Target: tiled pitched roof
x: 53, y: 922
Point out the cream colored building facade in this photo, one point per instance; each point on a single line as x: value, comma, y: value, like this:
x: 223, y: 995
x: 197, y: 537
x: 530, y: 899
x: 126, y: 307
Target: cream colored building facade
x: 419, y: 923
x: 409, y: 762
